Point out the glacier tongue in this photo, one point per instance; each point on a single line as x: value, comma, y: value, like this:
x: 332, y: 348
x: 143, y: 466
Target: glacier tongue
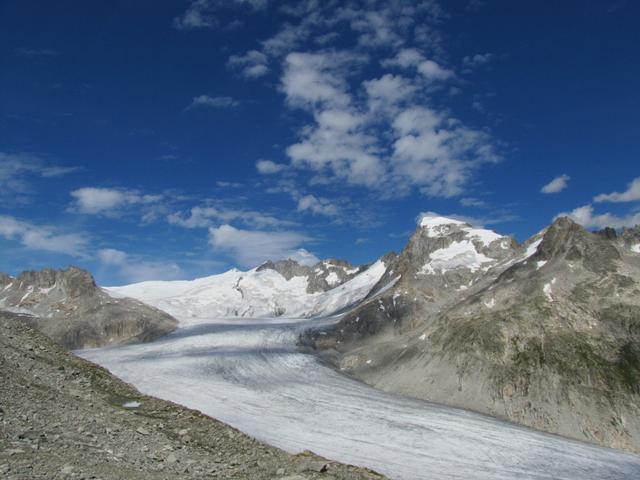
x: 254, y: 293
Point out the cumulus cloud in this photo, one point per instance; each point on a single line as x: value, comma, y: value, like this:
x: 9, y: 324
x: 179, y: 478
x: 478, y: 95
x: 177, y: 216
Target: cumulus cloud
x: 631, y: 194
x: 556, y: 185
x: 206, y: 216
x: 132, y: 269
x: 109, y: 201
x: 43, y: 237
x: 207, y: 101
x: 267, y: 167
x: 253, y: 64
x: 254, y: 247
x: 586, y: 217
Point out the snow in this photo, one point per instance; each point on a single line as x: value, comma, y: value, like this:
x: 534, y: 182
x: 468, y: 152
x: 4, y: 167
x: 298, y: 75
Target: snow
x: 491, y: 303
x: 540, y: 264
x: 532, y: 248
x: 332, y: 279
x: 547, y: 289
x: 249, y: 374
x: 636, y: 248
x: 253, y: 293
x: 437, y: 226
x: 132, y: 404
x: 458, y: 254
x: 423, y: 336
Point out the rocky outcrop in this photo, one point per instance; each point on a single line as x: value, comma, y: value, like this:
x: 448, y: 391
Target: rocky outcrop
x: 321, y: 277
x: 546, y: 334
x: 70, y: 308
x: 62, y: 417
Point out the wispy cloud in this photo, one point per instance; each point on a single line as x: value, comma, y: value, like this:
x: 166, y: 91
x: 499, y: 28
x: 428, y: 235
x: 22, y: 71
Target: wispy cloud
x: 43, y: 237
x: 134, y: 269
x: 268, y: 167
x: 203, y: 13
x: 631, y: 194
x: 17, y: 170
x: 250, y: 248
x: 253, y: 64
x: 556, y: 185
x: 37, y: 52
x: 206, y: 101
x: 113, y: 202
x: 207, y: 216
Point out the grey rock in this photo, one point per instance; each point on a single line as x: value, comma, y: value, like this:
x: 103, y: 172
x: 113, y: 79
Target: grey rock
x: 548, y: 335
x: 69, y: 307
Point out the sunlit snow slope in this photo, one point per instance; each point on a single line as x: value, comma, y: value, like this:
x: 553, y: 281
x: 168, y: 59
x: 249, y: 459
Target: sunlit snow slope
x: 248, y: 373
x: 254, y: 293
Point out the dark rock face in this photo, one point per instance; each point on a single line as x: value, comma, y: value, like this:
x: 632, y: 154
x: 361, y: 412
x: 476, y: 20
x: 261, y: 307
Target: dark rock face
x: 70, y: 308
x: 546, y: 334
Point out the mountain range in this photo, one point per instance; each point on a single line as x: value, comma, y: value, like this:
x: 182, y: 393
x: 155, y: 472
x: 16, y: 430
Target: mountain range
x: 545, y: 333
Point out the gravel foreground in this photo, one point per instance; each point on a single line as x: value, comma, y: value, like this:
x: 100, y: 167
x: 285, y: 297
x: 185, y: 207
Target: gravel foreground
x: 62, y: 417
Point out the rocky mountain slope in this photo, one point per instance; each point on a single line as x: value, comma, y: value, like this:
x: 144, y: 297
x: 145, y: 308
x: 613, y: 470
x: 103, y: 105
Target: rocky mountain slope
x: 546, y: 334
x: 274, y: 289
x: 64, y: 418
x: 71, y: 309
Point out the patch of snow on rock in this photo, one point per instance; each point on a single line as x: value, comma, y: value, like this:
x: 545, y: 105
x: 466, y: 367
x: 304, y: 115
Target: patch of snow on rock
x: 636, y: 248
x: 458, y: 254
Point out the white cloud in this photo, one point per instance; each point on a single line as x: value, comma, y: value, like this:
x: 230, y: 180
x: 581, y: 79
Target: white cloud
x: 203, y: 217
x: 631, y: 194
x: 17, y: 169
x: 428, y: 68
x: 253, y: 247
x: 109, y: 201
x: 132, y: 269
x: 43, y: 237
x: 556, y: 185
x: 213, y: 102
x: 253, y: 64
x: 586, y: 217
x: 202, y: 13
x: 477, y: 60
x: 381, y: 132
x: 317, y: 206
x: 267, y: 167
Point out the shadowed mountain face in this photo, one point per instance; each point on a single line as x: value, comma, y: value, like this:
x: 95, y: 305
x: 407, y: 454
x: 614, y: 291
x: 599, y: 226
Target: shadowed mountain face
x: 546, y: 334
x: 71, y: 309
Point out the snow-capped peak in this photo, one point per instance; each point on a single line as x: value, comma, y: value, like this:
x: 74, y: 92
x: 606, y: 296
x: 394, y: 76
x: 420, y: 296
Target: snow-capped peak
x: 439, y: 226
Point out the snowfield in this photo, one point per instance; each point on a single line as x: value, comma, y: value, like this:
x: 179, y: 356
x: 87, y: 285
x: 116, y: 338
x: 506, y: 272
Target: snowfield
x: 248, y: 373
x: 253, y: 293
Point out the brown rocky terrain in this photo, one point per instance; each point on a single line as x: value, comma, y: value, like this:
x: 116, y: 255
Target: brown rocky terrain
x: 64, y: 418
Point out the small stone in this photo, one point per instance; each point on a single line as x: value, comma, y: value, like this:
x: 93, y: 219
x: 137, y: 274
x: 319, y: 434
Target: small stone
x: 183, y: 432
x: 171, y: 458
x: 142, y: 431
x: 280, y: 471
x: 67, y: 469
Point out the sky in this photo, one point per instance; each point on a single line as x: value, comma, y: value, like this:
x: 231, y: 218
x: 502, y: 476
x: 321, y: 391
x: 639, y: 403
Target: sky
x: 177, y: 139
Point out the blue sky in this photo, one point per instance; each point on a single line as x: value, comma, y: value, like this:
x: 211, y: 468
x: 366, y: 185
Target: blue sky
x: 147, y: 140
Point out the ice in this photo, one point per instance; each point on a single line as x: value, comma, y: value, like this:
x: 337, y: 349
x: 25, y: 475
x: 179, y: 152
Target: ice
x: 247, y: 372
